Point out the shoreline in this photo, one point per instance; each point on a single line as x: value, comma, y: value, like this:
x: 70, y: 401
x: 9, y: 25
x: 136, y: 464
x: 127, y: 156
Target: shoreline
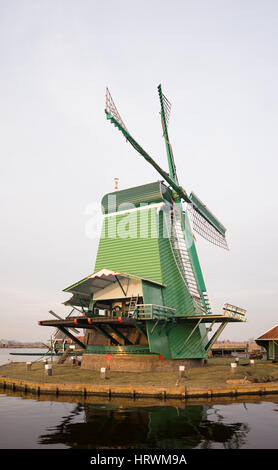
x: 181, y: 392
x: 25, y: 346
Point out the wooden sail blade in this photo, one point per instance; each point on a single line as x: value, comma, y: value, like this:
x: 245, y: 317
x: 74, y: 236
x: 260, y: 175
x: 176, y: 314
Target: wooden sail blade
x: 205, y: 223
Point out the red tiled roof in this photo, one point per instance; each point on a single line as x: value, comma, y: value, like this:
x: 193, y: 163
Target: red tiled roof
x: 270, y: 334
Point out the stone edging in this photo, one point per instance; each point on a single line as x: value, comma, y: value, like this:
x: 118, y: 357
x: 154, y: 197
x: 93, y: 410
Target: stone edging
x: 138, y: 391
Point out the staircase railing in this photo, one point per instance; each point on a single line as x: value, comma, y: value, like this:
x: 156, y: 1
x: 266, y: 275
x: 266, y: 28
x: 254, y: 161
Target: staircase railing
x: 153, y: 311
x: 182, y: 258
x: 141, y: 312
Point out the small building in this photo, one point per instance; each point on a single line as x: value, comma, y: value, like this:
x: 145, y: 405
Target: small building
x: 269, y: 341
x: 232, y: 349
x: 228, y: 349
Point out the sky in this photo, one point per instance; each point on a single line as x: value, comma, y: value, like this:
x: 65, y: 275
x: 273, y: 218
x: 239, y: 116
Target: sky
x: 217, y: 63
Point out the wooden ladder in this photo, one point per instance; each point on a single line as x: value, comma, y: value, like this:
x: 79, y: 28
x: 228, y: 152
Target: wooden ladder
x: 132, y: 306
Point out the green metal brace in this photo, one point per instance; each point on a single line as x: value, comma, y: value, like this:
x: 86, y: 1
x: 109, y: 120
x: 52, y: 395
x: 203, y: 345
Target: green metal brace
x: 189, y: 336
x: 204, y: 336
x: 154, y: 327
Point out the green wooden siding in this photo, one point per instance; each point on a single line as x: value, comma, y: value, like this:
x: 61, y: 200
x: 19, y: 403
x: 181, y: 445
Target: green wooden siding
x: 145, y: 194
x: 170, y: 340
x: 271, y: 350
x: 152, y: 294
x: 136, y: 254
x: 144, y: 252
x: 193, y: 348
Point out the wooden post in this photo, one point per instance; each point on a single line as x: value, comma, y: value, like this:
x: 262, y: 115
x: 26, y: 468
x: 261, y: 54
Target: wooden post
x: 107, y: 371
x: 233, y: 367
x: 181, y: 371
x: 48, y: 369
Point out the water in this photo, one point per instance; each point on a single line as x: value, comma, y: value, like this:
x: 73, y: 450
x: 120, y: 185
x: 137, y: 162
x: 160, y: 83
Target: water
x: 6, y: 357
x: 28, y: 422
x: 95, y: 423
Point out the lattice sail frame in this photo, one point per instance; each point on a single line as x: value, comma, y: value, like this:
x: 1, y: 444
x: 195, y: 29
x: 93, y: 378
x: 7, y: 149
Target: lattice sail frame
x: 111, y: 109
x: 201, y: 226
x: 167, y: 108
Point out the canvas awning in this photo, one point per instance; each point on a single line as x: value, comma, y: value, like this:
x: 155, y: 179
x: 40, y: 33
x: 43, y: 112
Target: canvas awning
x: 84, y: 289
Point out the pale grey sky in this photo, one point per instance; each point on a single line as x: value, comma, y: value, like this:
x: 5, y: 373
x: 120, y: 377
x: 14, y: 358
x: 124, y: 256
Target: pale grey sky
x: 217, y: 63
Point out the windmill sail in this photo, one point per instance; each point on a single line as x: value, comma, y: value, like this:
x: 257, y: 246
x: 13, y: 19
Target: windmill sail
x: 112, y: 110
x: 205, y: 223
x: 167, y: 108
x: 165, y: 115
x: 113, y: 115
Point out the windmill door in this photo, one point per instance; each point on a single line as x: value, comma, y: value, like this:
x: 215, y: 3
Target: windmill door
x: 275, y: 350
x: 271, y: 350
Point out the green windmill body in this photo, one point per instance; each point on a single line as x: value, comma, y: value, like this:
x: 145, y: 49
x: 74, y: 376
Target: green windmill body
x: 147, y: 295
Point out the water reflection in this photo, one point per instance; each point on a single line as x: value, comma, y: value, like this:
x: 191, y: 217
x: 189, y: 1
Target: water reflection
x: 96, y: 425
x: 50, y: 422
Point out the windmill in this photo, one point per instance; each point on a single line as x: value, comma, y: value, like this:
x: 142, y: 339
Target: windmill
x: 146, y: 298
x: 203, y: 221
x: 196, y: 214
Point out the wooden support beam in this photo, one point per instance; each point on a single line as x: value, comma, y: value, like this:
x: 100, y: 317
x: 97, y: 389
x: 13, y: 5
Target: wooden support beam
x: 73, y: 338
x: 216, y: 335
x: 59, y: 318
x: 141, y: 329
x: 91, y: 304
x: 119, y: 334
x: 104, y: 333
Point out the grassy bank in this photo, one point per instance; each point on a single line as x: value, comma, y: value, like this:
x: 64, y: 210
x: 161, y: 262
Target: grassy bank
x: 215, y: 373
